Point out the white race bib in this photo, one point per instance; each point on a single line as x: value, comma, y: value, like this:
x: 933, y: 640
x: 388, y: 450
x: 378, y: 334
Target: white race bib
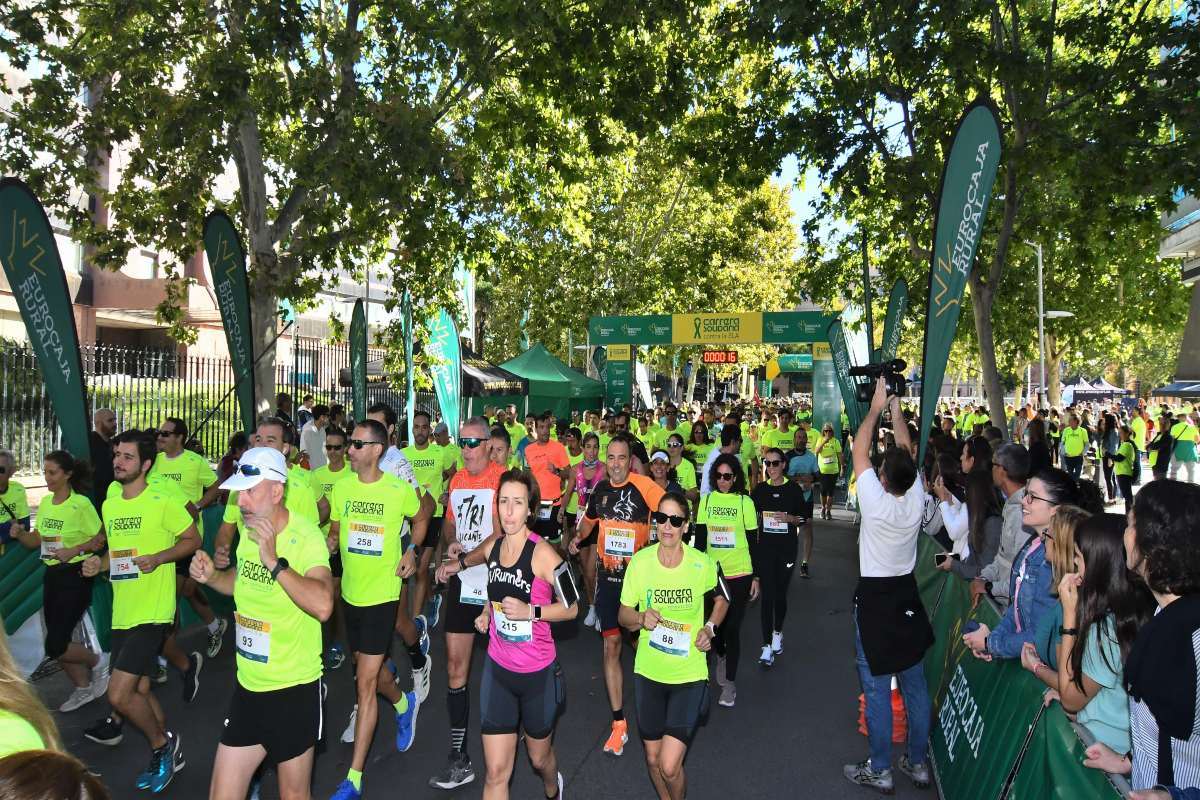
x: 50, y: 544
x: 365, y: 539
x: 472, y: 515
x: 724, y: 536
x: 619, y: 542
x: 253, y: 638
x: 511, y: 630
x: 474, y: 585
x: 121, y: 566
x: 544, y: 511
x: 774, y: 522
x: 672, y: 638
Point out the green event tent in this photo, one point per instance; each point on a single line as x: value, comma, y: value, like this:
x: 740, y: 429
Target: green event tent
x: 553, y: 386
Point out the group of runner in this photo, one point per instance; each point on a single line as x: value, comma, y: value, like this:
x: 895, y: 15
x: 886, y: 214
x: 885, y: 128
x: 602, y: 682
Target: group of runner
x: 315, y: 559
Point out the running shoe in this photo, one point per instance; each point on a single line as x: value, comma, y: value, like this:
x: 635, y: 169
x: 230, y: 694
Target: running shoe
x: 433, y: 610
x: 617, y: 738
x: 160, y: 674
x: 862, y: 774
x: 421, y: 625
x: 777, y: 642
x: 348, y: 734
x: 722, y: 681
x: 191, y: 678
x: 590, y: 620
x: 107, y: 731
x: 728, y: 695
x: 767, y: 658
x: 167, y: 761
x: 559, y: 794
x: 79, y: 697
x: 406, y: 723
x: 346, y: 791
x: 918, y: 772
x: 804, y: 569
x: 421, y: 679
x: 458, y: 772
x: 216, y: 638
x: 423, y: 640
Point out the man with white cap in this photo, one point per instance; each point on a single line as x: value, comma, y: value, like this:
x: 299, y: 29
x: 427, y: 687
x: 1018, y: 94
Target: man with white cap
x: 283, y: 590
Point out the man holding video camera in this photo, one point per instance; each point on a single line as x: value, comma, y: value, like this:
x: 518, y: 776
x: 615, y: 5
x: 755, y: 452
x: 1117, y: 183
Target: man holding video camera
x: 891, y: 626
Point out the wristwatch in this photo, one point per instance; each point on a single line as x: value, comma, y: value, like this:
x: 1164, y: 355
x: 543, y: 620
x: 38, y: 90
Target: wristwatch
x: 280, y: 565
x: 712, y: 629
x: 462, y: 560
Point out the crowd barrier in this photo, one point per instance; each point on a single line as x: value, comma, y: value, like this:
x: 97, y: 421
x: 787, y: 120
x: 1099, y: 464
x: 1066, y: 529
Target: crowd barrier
x: 992, y: 739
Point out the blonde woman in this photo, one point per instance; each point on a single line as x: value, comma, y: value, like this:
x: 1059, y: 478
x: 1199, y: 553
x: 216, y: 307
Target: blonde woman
x: 25, y: 724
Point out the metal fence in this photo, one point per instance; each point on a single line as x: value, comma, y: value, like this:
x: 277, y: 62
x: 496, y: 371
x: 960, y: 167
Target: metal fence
x: 144, y: 385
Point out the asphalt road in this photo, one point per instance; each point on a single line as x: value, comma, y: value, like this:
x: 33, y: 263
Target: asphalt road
x: 793, y: 728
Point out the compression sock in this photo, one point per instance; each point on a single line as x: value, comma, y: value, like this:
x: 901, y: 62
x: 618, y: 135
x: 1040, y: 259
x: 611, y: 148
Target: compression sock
x: 355, y: 778
x: 458, y: 704
x: 414, y: 653
x: 618, y: 715
x: 402, y: 704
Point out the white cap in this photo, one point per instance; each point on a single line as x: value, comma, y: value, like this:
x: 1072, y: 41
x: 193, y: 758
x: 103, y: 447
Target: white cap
x: 256, y: 465
x: 660, y: 456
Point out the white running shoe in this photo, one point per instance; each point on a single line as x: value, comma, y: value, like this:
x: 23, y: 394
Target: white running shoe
x: 590, y: 620
x: 767, y: 658
x: 348, y: 734
x: 421, y: 679
x: 100, y: 676
x: 80, y: 697
x: 777, y: 642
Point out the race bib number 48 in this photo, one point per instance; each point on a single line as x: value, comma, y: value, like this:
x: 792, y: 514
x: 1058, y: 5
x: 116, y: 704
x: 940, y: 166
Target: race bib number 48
x: 365, y: 539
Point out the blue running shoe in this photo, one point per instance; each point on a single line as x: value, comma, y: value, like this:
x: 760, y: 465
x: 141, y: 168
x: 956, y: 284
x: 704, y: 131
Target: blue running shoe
x: 164, y: 766
x: 419, y: 621
x: 335, y: 656
x: 144, y: 777
x: 423, y: 641
x: 391, y: 665
x: 406, y: 723
x: 346, y: 791
x: 433, y: 610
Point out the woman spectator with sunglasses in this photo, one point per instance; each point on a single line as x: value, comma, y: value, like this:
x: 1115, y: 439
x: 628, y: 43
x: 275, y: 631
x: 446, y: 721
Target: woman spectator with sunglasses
x: 685, y: 469
x: 782, y: 510
x: 666, y: 589
x: 725, y: 521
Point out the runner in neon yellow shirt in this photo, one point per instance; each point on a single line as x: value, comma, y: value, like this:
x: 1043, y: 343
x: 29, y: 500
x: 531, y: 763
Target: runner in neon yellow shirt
x: 283, y: 590
x: 147, y: 530
x: 324, y: 478
x: 428, y: 460
x: 14, y: 501
x: 369, y: 512
x: 68, y: 530
x: 831, y: 463
x: 662, y: 599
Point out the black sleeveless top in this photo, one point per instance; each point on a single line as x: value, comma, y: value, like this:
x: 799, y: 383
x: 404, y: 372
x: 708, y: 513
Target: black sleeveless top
x: 515, y: 581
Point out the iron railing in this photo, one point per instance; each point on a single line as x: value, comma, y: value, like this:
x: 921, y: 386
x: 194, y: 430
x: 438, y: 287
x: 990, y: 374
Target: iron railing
x: 144, y: 385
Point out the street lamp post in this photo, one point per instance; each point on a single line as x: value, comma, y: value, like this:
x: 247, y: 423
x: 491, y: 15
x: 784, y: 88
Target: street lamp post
x: 1042, y: 316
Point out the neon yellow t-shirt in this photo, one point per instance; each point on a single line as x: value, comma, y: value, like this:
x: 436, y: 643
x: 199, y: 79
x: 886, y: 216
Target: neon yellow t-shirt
x: 66, y: 524
x: 700, y: 451
x: 189, y: 470
x: 1125, y: 467
x: 370, y: 519
x: 685, y: 474
x: 728, y: 517
x: 428, y: 465
x: 323, y: 481
x: 1138, y: 426
x: 147, y: 524
x: 17, y: 735
x: 777, y: 438
x: 278, y: 645
x: 1074, y: 440
x: 154, y: 481
x: 827, y: 456
x: 668, y: 654
x: 573, y: 503
x: 16, y: 500
x: 298, y: 498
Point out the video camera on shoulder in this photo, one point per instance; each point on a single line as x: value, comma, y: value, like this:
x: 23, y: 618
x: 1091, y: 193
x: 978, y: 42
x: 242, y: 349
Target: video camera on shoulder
x: 891, y: 371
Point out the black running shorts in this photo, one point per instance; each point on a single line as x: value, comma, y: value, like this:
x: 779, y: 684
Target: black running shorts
x: 66, y: 595
x: 669, y: 709
x: 369, y: 629
x: 285, y: 722
x: 135, y: 650
x: 510, y: 700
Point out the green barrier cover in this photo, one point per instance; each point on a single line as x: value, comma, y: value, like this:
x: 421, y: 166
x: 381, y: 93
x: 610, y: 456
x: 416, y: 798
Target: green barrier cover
x: 930, y: 579
x: 983, y: 710
x: 1052, y: 767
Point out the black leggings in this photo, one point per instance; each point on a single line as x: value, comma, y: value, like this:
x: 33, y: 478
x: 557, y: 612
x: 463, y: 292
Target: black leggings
x: 728, y: 641
x: 1126, y: 483
x: 777, y: 559
x: 1110, y: 483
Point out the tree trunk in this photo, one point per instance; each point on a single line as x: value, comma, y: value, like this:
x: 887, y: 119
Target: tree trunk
x: 1019, y: 395
x: 981, y: 304
x: 263, y: 322
x: 690, y: 392
x: 1053, y: 371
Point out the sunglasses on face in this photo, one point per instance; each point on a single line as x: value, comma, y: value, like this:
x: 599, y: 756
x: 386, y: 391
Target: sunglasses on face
x: 163, y: 434
x: 662, y: 519
x: 724, y: 476
x: 359, y: 444
x: 471, y: 442
x: 773, y: 463
x: 334, y: 446
x: 674, y: 444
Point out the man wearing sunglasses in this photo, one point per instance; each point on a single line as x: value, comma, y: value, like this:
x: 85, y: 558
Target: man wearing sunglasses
x: 284, y: 591
x: 470, y: 519
x: 618, y: 518
x: 324, y: 478
x: 369, y: 511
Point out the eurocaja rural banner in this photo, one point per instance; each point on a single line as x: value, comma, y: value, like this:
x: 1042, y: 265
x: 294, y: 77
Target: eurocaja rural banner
x: 446, y: 353
x: 358, y: 361
x: 841, y: 367
x: 35, y: 275
x: 227, y: 262
x: 967, y: 180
